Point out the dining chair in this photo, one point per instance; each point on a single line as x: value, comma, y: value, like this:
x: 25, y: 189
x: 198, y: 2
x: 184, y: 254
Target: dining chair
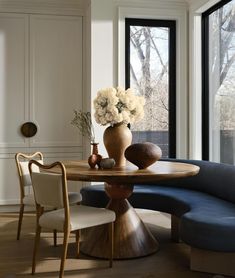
x: 26, y: 194
x: 50, y: 189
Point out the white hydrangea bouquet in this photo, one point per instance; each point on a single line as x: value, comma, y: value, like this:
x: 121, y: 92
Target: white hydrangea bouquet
x: 116, y: 105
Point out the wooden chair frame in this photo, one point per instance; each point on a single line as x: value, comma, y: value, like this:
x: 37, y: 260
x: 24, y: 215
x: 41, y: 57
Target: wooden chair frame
x: 67, y: 230
x: 18, y: 158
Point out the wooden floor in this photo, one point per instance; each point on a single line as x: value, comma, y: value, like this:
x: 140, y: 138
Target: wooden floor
x: 171, y: 261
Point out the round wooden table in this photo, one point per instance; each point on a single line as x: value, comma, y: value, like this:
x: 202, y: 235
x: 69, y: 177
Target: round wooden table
x: 131, y: 237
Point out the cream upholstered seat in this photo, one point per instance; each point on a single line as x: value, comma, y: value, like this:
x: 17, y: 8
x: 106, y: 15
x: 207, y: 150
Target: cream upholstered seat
x: 88, y: 216
x: 51, y: 190
x: 27, y: 197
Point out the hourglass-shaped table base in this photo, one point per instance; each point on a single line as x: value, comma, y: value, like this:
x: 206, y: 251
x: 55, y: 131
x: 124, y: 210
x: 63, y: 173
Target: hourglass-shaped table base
x: 132, y: 238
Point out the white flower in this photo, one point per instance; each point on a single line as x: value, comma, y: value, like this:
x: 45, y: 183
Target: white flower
x: 114, y: 106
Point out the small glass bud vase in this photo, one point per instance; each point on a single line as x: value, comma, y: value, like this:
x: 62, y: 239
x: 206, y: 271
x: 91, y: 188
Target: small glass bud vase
x: 95, y: 158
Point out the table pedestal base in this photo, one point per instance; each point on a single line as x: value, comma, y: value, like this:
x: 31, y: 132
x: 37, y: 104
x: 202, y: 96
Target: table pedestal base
x: 132, y: 238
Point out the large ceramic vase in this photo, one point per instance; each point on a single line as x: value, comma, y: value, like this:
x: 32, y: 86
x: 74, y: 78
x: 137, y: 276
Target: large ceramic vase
x: 116, y: 139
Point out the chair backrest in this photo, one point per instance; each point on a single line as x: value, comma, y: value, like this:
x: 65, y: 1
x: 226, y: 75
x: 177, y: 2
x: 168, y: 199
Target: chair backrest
x: 50, y: 189
x: 22, y: 163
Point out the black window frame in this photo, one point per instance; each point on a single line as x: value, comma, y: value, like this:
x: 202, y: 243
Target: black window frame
x: 171, y: 24
x: 205, y: 78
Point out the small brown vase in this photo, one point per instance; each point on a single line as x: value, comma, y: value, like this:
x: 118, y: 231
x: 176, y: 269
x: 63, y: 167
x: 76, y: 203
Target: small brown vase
x: 95, y: 158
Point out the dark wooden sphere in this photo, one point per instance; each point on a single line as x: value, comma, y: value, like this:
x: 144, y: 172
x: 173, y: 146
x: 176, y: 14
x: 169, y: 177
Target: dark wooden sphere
x: 143, y: 154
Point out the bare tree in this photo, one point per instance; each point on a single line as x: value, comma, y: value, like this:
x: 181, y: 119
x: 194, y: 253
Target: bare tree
x: 148, y: 79
x: 222, y: 27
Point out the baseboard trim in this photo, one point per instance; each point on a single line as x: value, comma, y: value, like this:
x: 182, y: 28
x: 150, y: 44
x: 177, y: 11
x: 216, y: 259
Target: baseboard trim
x: 212, y: 262
x: 9, y: 201
x: 14, y: 208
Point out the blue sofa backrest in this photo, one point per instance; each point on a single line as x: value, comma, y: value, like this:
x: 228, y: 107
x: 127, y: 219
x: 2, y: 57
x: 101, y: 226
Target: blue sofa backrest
x: 213, y: 178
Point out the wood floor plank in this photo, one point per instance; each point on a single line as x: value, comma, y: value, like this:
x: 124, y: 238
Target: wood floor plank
x: 171, y: 261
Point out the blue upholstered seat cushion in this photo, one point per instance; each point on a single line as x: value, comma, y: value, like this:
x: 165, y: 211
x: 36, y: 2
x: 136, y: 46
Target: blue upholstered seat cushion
x: 206, y: 221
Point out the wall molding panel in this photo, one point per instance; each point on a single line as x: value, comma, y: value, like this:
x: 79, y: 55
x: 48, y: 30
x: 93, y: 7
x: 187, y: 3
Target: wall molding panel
x: 60, y: 7
x: 41, y: 81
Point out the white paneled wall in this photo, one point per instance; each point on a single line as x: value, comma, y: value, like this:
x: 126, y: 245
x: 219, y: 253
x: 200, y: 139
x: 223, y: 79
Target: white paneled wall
x: 41, y: 80
x: 56, y: 78
x: 14, y: 95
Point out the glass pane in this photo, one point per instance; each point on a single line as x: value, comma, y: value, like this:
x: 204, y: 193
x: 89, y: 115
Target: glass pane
x: 149, y: 56
x: 222, y: 84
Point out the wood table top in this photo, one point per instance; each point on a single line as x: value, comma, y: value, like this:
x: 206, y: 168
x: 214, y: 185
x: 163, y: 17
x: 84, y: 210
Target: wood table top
x: 160, y: 170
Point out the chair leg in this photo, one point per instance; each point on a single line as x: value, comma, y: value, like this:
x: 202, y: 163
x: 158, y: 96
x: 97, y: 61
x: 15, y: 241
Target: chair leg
x: 111, y: 228
x: 55, y: 237
x: 77, y: 241
x: 20, y: 220
x: 36, y: 243
x: 64, y: 254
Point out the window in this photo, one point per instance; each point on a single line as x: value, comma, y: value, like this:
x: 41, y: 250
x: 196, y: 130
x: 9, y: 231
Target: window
x: 218, y: 49
x: 150, y: 71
